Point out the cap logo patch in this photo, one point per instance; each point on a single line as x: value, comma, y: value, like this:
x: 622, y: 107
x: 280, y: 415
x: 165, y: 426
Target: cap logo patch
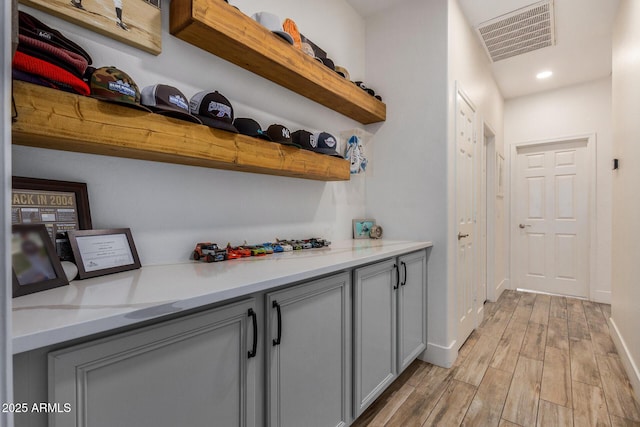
x: 285, y: 133
x: 45, y: 35
x: 122, y: 88
x: 179, y: 102
x: 313, y: 141
x: 330, y: 142
x: 219, y: 110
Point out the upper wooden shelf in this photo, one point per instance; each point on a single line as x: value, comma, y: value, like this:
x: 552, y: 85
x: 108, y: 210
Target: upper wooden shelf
x: 49, y: 118
x: 223, y: 30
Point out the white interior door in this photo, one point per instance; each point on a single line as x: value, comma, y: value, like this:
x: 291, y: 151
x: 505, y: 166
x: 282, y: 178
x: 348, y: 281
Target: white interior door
x: 552, y: 218
x: 465, y: 212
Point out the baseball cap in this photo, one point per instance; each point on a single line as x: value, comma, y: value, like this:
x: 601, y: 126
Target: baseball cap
x: 213, y: 109
x: 328, y: 63
x: 320, y: 142
x: 343, y: 72
x: 280, y: 134
x: 114, y: 85
x: 326, y: 144
x: 290, y: 27
x: 30, y: 26
x: 168, y: 101
x: 250, y: 127
x: 272, y: 23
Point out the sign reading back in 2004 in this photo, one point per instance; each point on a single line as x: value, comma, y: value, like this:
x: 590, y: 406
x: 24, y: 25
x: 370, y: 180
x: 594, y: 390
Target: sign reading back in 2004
x: 58, y: 211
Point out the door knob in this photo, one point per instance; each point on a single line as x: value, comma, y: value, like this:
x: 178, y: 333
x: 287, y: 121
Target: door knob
x: 524, y: 225
x: 462, y: 236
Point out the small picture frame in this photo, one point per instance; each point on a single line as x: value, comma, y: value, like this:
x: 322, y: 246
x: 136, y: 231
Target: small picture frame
x: 101, y: 252
x: 362, y: 227
x: 36, y: 266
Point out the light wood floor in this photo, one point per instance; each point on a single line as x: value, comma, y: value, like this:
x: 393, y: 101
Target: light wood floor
x: 536, y: 360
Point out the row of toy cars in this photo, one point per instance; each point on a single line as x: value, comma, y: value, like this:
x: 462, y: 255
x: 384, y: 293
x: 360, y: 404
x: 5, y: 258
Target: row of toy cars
x: 211, y: 252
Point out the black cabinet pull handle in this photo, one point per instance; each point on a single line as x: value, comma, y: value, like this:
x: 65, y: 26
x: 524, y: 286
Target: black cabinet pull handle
x: 277, y: 307
x: 404, y: 268
x: 254, y: 348
x: 395, y: 267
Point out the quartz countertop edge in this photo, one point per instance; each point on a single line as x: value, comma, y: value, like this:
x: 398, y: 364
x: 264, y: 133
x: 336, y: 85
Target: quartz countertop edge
x: 93, y: 306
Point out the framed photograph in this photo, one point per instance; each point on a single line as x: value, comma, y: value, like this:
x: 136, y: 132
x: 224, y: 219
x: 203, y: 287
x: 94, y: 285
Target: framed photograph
x: 134, y: 22
x: 36, y: 266
x: 499, y: 175
x: 362, y: 227
x: 59, y: 205
x: 101, y: 252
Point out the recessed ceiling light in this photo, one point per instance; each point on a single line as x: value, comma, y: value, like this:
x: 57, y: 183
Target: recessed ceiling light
x: 544, y: 74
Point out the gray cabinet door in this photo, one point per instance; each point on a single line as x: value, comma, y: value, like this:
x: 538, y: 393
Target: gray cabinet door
x: 309, y: 367
x: 374, y: 332
x: 192, y: 371
x: 412, y: 308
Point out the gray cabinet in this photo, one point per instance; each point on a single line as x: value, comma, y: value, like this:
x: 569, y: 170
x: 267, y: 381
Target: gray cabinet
x: 308, y: 349
x: 374, y: 317
x: 194, y: 371
x: 390, y: 309
x: 412, y: 308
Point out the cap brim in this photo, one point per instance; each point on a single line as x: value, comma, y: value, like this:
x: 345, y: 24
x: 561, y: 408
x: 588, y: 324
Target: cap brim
x: 328, y: 152
x: 284, y: 35
x: 291, y: 144
x: 178, y: 115
x: 218, y: 124
x: 126, y: 104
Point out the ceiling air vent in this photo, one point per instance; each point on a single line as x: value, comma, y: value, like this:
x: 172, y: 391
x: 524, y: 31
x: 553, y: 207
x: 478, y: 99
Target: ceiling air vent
x: 518, y: 32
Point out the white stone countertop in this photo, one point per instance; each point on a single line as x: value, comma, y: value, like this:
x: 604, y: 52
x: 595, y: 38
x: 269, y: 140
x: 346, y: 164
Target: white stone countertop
x: 91, y: 306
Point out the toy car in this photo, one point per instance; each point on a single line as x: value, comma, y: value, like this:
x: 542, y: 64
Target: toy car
x: 277, y: 247
x: 319, y: 243
x: 209, y: 252
x: 237, y: 252
x: 285, y: 245
x: 257, y: 250
x: 268, y: 248
x: 306, y: 244
x: 297, y: 245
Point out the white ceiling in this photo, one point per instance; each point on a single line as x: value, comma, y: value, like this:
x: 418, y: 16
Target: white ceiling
x: 583, y: 42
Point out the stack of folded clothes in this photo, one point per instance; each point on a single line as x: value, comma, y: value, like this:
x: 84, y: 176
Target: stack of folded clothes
x: 47, y: 58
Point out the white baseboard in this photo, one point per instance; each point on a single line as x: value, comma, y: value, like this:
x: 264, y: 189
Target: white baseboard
x: 440, y: 355
x: 601, y: 296
x: 627, y: 360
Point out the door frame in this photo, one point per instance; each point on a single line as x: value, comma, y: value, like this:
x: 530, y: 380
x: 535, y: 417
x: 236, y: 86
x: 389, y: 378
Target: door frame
x: 591, y: 141
x: 488, y: 195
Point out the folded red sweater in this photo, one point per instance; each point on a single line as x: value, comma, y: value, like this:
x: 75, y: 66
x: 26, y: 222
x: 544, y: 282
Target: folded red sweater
x: 44, y: 69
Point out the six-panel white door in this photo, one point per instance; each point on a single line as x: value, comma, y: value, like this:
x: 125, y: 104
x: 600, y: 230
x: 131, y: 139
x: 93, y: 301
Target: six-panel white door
x: 551, y: 223
x: 465, y: 260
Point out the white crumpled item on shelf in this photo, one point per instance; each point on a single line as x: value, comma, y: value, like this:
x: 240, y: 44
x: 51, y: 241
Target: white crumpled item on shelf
x: 355, y: 154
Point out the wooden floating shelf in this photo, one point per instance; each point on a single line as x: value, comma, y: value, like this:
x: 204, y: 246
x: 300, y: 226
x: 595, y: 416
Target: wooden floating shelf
x: 53, y: 119
x: 221, y: 29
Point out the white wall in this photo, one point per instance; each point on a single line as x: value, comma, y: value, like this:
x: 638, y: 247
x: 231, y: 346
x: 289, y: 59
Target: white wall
x: 574, y: 110
x: 469, y: 69
x: 170, y: 207
x: 625, y: 297
x: 406, y: 61
x: 409, y: 189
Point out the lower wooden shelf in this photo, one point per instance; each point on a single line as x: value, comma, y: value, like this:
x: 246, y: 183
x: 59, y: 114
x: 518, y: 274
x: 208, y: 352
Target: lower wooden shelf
x: 53, y: 119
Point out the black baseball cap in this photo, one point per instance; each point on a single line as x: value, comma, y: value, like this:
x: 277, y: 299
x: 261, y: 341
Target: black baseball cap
x: 250, y: 127
x: 213, y: 109
x: 280, y: 134
x: 168, y: 101
x: 320, y: 142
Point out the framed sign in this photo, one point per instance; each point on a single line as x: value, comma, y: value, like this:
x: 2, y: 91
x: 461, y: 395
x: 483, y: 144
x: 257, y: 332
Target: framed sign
x: 362, y: 228
x: 59, y: 205
x: 36, y: 266
x: 134, y: 22
x: 100, y: 252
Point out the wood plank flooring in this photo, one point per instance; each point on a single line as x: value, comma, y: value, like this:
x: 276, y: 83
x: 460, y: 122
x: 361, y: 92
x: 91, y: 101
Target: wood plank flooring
x: 535, y: 361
